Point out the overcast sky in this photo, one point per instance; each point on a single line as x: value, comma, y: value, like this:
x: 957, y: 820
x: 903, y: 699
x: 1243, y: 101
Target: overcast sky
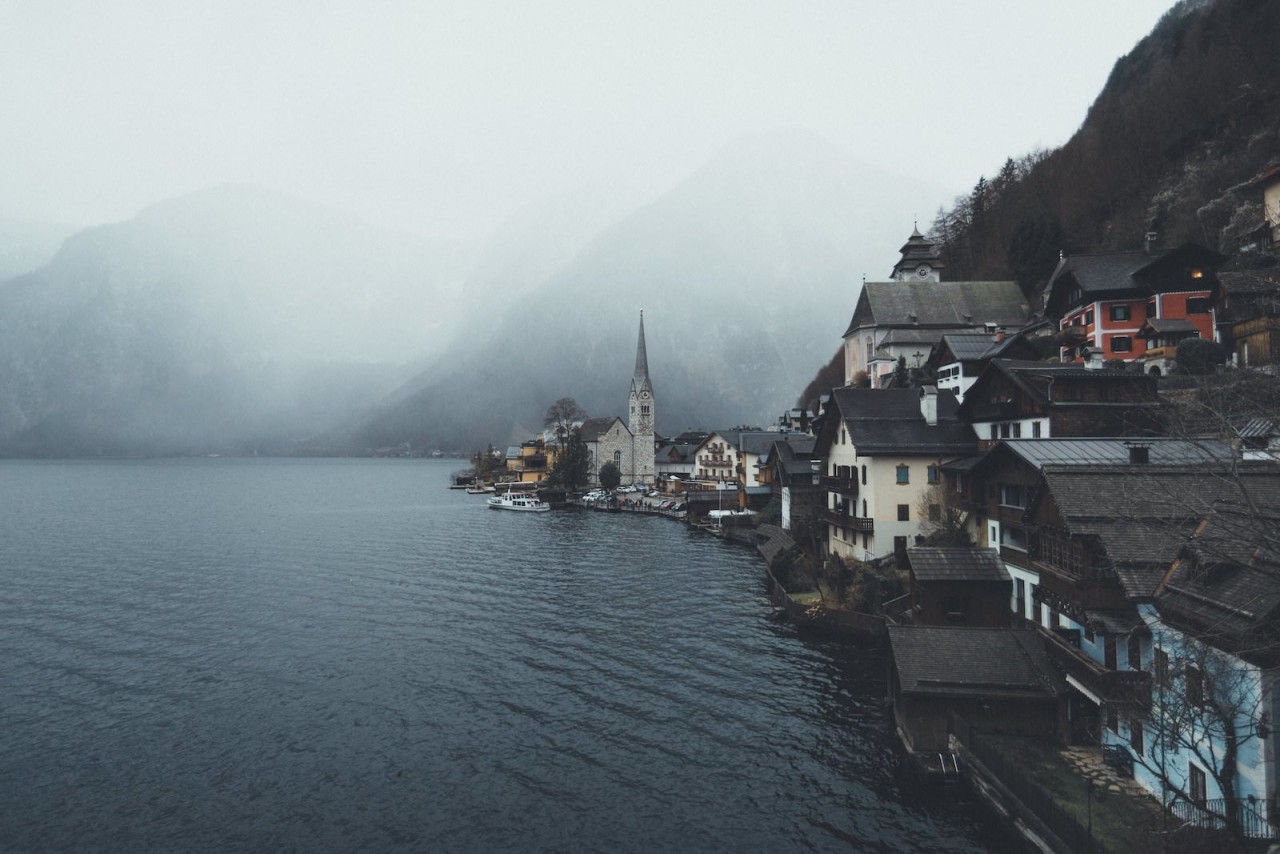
x: 443, y: 117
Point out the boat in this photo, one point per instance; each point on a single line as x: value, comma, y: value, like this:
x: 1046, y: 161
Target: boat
x: 527, y: 502
x: 479, y: 490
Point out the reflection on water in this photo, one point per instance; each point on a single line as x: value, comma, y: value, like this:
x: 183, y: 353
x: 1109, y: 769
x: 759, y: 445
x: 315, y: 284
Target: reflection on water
x: 344, y: 655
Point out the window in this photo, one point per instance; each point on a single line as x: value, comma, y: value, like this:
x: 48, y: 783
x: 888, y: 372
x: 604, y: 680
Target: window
x: 995, y: 431
x: 1035, y: 429
x: 1017, y: 429
x: 1197, y: 305
x: 1088, y: 318
x: 1151, y: 308
x: 864, y: 508
x: 1020, y: 597
x: 1135, y: 736
x: 1012, y: 495
x: 1195, y: 685
x: 864, y: 475
x: 1196, y: 784
x: 1160, y: 662
x: 1135, y: 651
x: 904, y: 512
x: 1004, y: 431
x: 1119, y: 312
x: 933, y: 474
x: 904, y: 474
x: 644, y: 409
x: 1121, y: 344
x: 1014, y: 538
x: 617, y: 459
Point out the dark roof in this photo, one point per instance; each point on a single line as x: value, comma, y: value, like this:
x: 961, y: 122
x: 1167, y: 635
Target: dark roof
x: 949, y: 305
x: 1168, y: 326
x: 956, y: 564
x: 976, y: 346
x: 1118, y: 273
x: 889, y: 420
x: 1224, y: 581
x: 793, y: 454
x: 1115, y: 452
x: 593, y: 428
x: 966, y: 662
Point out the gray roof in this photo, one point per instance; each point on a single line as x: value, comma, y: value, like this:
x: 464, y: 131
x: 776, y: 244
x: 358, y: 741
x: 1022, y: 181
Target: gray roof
x: 793, y: 453
x: 911, y: 336
x: 593, y: 428
x: 966, y: 662
x: 1112, y: 452
x: 889, y: 421
x: 975, y: 346
x: 951, y: 305
x: 930, y: 564
x: 1258, y: 428
x: 1170, y: 326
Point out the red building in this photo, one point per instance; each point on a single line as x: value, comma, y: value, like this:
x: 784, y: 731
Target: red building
x: 1104, y: 300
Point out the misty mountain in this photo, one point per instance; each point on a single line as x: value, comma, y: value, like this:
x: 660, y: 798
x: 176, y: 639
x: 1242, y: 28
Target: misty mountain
x: 228, y: 319
x: 27, y: 245
x: 747, y: 272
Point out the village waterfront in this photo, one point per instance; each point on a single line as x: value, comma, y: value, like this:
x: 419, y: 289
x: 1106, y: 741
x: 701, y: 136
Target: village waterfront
x: 341, y: 655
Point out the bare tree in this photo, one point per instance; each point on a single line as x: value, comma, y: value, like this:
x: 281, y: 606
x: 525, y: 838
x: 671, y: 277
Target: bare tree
x: 561, y: 418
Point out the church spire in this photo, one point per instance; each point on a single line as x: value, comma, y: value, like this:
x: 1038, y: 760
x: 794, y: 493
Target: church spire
x: 642, y: 358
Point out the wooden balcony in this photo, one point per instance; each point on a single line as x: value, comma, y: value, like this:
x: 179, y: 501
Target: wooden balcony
x: 861, y: 524
x: 1094, y: 592
x: 1130, y: 688
x: 841, y: 484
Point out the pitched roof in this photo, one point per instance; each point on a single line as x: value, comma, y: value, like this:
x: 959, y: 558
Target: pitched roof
x: 930, y: 564
x: 957, y: 661
x: 975, y: 346
x: 889, y: 420
x: 1115, y: 451
x: 951, y: 305
x: 1168, y: 326
x: 593, y: 428
x: 1118, y: 273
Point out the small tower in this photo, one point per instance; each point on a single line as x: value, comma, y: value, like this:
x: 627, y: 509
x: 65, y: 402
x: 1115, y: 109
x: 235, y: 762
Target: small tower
x: 640, y: 416
x: 921, y: 260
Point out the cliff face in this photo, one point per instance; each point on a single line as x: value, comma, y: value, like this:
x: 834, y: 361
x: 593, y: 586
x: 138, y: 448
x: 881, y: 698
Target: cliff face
x: 1186, y: 118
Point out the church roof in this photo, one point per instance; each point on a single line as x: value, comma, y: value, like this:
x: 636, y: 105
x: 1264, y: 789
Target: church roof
x: 949, y: 305
x: 593, y: 428
x: 642, y: 356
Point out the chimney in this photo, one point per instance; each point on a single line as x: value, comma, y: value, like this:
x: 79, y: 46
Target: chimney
x: 1149, y: 242
x: 1139, y: 453
x: 929, y: 404
x: 999, y: 335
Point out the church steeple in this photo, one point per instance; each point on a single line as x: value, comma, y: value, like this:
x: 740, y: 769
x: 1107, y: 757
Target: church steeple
x: 640, y: 410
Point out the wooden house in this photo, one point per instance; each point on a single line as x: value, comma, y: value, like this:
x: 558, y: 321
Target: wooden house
x: 959, y: 587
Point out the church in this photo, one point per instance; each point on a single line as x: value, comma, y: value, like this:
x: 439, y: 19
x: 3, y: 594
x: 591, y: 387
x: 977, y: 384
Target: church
x: 629, y: 446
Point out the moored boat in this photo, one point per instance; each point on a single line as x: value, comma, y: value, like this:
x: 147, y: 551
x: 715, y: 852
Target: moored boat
x: 523, y: 501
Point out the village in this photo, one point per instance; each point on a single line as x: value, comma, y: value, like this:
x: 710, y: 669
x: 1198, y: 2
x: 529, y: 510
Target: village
x: 1059, y: 513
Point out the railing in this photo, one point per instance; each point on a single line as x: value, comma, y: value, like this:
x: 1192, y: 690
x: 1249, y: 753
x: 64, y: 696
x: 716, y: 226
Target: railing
x: 1211, y: 816
x: 1027, y: 791
x: 842, y: 484
x: 1124, y: 687
x: 861, y: 524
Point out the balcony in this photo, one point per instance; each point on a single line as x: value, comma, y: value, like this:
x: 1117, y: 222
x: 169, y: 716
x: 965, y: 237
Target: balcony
x: 861, y: 524
x: 841, y: 484
x: 1121, y: 687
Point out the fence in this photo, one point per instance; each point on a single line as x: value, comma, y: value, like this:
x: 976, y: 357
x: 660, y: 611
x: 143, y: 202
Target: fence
x: 1030, y: 793
x: 1210, y: 816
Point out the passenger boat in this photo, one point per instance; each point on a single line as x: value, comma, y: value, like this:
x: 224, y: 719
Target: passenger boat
x: 523, y: 501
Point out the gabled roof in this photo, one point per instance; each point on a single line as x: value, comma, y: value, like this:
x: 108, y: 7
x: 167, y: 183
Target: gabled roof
x: 744, y: 440
x: 889, y: 421
x: 1118, y: 274
x: 976, y: 346
x: 950, y: 305
x: 1035, y: 380
x: 1113, y: 452
x: 593, y: 428
x: 930, y: 564
x: 1168, y: 326
x: 964, y: 662
x: 793, y: 454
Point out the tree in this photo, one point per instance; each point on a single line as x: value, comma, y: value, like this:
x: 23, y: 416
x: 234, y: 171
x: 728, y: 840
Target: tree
x: 610, y: 475
x: 571, y: 469
x: 942, y: 517
x: 1199, y: 355
x: 562, y: 416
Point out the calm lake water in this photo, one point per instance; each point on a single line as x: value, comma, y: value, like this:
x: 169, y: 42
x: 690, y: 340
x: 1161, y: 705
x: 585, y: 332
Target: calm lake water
x: 343, y: 655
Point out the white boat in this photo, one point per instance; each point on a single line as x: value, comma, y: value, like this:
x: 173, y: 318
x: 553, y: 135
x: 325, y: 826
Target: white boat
x: 523, y: 501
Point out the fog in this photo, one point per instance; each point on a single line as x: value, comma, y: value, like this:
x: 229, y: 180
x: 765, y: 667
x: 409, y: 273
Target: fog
x: 316, y: 226
x: 446, y: 117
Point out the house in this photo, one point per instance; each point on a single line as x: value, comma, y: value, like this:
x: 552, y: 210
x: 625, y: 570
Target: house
x: 1034, y: 400
x: 1102, y: 300
x: 960, y: 357
x: 958, y: 587
x: 907, y: 320
x: 532, y: 461
x: 793, y: 477
x: 881, y: 450
x: 674, y: 457
x: 1215, y: 625
x: 997, y: 680
x: 1248, y: 312
x: 1269, y: 184
x: 1086, y: 528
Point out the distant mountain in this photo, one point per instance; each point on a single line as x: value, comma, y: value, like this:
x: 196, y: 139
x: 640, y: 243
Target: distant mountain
x: 229, y: 319
x: 26, y: 245
x: 1185, y: 120
x: 747, y: 273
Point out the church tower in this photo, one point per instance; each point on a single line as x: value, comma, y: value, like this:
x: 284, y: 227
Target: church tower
x: 640, y: 416
x: 921, y: 260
